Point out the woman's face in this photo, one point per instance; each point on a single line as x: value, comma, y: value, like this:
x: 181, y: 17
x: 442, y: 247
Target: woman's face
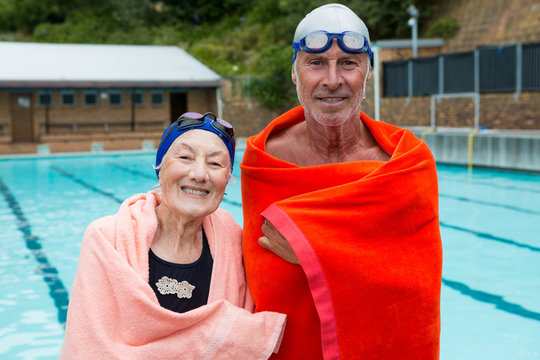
x: 194, y: 174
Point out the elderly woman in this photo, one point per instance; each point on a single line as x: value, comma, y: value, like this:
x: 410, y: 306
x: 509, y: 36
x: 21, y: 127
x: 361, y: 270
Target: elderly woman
x: 163, y: 278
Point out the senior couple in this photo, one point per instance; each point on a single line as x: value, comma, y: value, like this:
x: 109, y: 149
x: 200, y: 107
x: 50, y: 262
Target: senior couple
x: 340, y: 255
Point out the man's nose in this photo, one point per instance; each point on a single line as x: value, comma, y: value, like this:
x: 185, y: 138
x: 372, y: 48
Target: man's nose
x: 333, y: 76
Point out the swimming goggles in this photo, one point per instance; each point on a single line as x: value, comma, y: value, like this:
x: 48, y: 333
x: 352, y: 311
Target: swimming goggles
x: 319, y: 41
x: 192, y: 120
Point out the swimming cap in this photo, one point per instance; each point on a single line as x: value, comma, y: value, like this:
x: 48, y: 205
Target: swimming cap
x: 172, y: 133
x: 333, y: 18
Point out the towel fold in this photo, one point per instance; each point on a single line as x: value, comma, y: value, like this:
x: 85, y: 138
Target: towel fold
x: 114, y: 313
x: 368, y: 240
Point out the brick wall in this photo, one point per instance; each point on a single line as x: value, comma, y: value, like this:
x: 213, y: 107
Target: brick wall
x: 242, y: 110
x: 202, y: 101
x: 102, y: 112
x: 398, y: 54
x: 247, y: 120
x: 5, y: 118
x: 399, y: 112
x: 502, y: 111
x: 497, y: 111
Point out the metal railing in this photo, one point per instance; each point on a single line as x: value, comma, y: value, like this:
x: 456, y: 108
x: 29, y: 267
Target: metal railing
x: 488, y: 69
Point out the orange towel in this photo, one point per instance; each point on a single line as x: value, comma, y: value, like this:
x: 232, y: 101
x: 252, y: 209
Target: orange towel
x: 114, y: 313
x: 367, y: 236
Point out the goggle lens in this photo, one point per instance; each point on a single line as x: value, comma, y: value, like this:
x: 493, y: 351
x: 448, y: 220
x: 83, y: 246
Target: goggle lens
x: 316, y: 40
x: 353, y: 41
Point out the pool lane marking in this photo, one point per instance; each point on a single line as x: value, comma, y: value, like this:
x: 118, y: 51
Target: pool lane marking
x: 57, y: 290
x: 232, y: 202
x: 491, y: 237
x: 141, y: 174
x: 496, y: 300
x: 481, y: 202
x: 133, y: 172
x: 85, y: 184
x: 482, y: 183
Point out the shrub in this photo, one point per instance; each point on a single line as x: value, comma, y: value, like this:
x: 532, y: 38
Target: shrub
x: 445, y: 27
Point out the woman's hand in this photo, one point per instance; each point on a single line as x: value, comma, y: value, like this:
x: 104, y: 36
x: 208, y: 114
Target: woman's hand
x: 276, y: 243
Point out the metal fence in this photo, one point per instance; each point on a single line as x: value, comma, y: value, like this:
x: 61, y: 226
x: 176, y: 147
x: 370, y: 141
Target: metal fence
x: 488, y: 69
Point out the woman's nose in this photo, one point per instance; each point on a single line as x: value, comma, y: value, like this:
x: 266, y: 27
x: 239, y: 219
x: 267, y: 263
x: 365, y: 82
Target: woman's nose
x: 199, y: 171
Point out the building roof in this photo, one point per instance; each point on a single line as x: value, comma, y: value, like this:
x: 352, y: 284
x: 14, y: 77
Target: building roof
x: 406, y: 43
x: 35, y: 65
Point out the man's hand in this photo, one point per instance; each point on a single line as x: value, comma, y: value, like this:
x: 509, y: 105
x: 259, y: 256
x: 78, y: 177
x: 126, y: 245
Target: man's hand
x: 276, y: 243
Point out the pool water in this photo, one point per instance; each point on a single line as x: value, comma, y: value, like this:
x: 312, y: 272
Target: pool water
x: 490, y: 223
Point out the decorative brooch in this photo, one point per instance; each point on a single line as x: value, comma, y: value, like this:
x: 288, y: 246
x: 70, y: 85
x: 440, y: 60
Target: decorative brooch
x: 183, y: 289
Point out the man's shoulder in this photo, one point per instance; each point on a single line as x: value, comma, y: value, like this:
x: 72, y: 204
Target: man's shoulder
x: 285, y: 139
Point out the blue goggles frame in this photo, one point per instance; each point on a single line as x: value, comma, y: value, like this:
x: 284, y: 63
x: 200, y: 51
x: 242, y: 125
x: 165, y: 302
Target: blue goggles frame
x: 194, y: 120
x: 302, y: 44
x: 188, y: 121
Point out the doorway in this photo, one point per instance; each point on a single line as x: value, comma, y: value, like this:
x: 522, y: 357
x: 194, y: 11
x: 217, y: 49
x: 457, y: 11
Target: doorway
x: 178, y: 105
x: 20, y: 108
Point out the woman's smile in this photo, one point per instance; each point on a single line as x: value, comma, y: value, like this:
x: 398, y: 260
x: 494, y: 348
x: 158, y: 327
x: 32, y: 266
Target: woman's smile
x: 195, y: 191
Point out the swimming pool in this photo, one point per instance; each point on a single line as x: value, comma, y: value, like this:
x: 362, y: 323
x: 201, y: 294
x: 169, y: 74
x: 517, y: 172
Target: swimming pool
x: 490, y: 223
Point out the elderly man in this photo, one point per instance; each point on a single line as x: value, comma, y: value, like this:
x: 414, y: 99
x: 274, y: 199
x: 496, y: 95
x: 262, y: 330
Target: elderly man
x: 341, y: 227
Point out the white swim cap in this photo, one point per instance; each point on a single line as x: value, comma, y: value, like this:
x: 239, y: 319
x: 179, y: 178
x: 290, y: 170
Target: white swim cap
x: 333, y: 18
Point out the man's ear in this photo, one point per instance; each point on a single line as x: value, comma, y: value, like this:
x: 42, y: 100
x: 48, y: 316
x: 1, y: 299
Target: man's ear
x: 293, y: 75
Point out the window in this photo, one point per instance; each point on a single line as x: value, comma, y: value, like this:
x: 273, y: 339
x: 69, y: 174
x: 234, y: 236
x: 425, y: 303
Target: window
x: 157, y: 97
x: 137, y: 97
x: 68, y: 97
x: 44, y: 98
x: 90, y: 98
x: 115, y: 97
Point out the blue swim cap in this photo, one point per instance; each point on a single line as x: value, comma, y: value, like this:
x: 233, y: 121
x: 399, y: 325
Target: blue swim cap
x: 191, y: 121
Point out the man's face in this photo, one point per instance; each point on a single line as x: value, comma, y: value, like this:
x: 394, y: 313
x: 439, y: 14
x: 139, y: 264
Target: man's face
x: 330, y: 85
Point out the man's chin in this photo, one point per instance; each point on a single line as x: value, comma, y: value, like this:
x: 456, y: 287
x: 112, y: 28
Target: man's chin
x: 331, y: 118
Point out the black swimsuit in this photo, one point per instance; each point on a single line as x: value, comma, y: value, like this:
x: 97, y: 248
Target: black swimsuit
x: 172, y: 275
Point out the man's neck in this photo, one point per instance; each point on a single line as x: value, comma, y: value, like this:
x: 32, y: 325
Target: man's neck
x: 309, y: 143
x: 335, y: 144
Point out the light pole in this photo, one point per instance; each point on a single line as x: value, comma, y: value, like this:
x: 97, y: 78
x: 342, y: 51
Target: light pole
x: 413, y: 23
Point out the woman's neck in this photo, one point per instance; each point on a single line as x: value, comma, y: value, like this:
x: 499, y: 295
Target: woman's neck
x: 177, y: 240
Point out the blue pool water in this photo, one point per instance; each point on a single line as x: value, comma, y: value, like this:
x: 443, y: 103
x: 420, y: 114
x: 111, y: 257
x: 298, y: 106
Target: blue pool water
x: 490, y: 223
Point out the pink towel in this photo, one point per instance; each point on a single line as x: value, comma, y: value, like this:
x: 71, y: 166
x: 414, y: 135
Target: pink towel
x: 114, y: 313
